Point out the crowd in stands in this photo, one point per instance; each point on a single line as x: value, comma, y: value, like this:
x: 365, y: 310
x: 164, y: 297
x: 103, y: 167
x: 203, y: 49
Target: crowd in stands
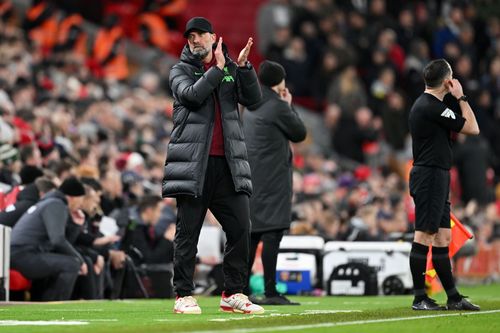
x: 73, y: 106
x: 360, y: 68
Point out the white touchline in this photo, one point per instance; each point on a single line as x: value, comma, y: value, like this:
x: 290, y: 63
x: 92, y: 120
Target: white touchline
x: 40, y: 323
x: 74, y: 310
x: 270, y: 315
x: 345, y: 323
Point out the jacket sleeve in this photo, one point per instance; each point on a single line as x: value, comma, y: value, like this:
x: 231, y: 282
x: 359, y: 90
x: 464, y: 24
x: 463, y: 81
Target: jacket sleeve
x: 54, y: 218
x: 193, y: 93
x: 11, y: 215
x: 249, y: 92
x: 289, y: 122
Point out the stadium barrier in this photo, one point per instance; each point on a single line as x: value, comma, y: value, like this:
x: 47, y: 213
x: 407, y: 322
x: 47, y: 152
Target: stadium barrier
x: 484, y: 265
x: 4, y: 262
x: 299, y: 264
x: 306, y: 262
x: 390, y: 260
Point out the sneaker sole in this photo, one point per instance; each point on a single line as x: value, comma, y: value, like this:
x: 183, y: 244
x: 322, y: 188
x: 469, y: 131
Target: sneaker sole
x: 439, y: 309
x: 455, y: 309
x: 184, y: 312
x: 233, y: 310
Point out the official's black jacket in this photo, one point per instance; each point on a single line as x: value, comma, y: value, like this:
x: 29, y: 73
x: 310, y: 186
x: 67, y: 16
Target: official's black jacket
x: 269, y: 126
x: 431, y: 123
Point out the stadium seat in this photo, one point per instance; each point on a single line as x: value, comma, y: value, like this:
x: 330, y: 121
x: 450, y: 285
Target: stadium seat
x: 18, y: 282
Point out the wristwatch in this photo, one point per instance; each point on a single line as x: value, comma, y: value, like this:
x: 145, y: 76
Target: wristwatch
x: 463, y: 98
x: 247, y: 65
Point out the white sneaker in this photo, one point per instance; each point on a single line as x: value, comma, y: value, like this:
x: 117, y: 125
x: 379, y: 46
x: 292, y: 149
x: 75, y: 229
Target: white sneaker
x: 239, y: 303
x: 186, y: 305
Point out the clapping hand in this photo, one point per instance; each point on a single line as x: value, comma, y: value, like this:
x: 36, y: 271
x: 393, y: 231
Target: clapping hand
x: 219, y: 55
x: 243, y: 57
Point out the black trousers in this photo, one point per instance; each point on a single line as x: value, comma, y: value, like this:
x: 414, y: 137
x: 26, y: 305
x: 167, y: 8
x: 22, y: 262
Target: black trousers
x: 231, y: 210
x: 89, y: 286
x: 270, y: 249
x: 54, y: 274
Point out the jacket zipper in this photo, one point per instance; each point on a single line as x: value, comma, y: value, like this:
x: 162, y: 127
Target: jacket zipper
x: 207, y: 148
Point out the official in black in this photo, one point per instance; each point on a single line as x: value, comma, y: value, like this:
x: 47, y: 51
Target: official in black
x: 269, y: 127
x: 431, y: 123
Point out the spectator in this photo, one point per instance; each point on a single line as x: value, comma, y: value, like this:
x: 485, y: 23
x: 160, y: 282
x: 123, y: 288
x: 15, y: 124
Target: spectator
x: 39, y: 249
x: 472, y: 156
x: 346, y: 90
x: 28, y: 197
x: 141, y: 233
x: 9, y: 165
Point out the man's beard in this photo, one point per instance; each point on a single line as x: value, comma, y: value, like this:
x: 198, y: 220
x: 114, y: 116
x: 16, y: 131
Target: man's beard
x: 200, y: 52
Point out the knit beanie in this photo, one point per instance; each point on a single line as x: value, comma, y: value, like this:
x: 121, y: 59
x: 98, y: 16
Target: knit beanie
x: 29, y: 174
x: 271, y: 73
x: 72, y: 187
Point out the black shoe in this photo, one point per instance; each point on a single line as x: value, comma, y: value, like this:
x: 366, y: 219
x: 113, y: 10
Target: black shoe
x: 276, y: 300
x: 427, y: 304
x: 254, y: 299
x: 462, y: 304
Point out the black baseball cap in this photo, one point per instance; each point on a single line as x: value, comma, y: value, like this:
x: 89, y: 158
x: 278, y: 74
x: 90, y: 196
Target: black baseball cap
x: 199, y: 24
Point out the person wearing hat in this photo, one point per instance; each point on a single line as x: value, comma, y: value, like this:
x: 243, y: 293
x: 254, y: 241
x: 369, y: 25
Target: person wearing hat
x: 9, y: 165
x: 269, y: 127
x: 207, y: 165
x: 39, y: 248
x: 27, y: 197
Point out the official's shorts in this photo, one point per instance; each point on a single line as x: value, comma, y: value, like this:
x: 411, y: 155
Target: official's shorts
x: 429, y: 188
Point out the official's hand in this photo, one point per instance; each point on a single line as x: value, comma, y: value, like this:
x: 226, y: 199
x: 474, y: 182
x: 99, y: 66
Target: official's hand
x: 83, y: 269
x: 219, y: 55
x: 455, y: 88
x: 286, y: 96
x: 243, y: 57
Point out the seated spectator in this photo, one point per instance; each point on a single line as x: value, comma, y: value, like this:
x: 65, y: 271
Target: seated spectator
x: 39, y: 248
x: 28, y: 197
x: 9, y: 165
x: 155, y: 249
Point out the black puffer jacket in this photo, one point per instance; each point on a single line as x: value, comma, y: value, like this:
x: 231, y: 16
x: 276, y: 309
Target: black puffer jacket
x: 194, y: 111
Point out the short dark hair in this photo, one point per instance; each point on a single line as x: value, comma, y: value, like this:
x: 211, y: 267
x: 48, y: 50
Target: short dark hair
x: 435, y: 72
x: 148, y: 201
x: 44, y: 184
x: 26, y: 152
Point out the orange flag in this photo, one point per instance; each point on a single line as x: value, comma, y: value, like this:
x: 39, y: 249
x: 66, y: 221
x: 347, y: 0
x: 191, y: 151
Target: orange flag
x: 459, y: 235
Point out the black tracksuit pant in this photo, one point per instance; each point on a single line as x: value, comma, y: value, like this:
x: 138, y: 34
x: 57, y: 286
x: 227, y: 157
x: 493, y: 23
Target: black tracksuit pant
x: 231, y: 210
x: 270, y: 248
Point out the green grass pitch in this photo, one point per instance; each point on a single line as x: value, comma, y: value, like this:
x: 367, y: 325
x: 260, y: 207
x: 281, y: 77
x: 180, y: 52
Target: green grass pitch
x: 316, y: 314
